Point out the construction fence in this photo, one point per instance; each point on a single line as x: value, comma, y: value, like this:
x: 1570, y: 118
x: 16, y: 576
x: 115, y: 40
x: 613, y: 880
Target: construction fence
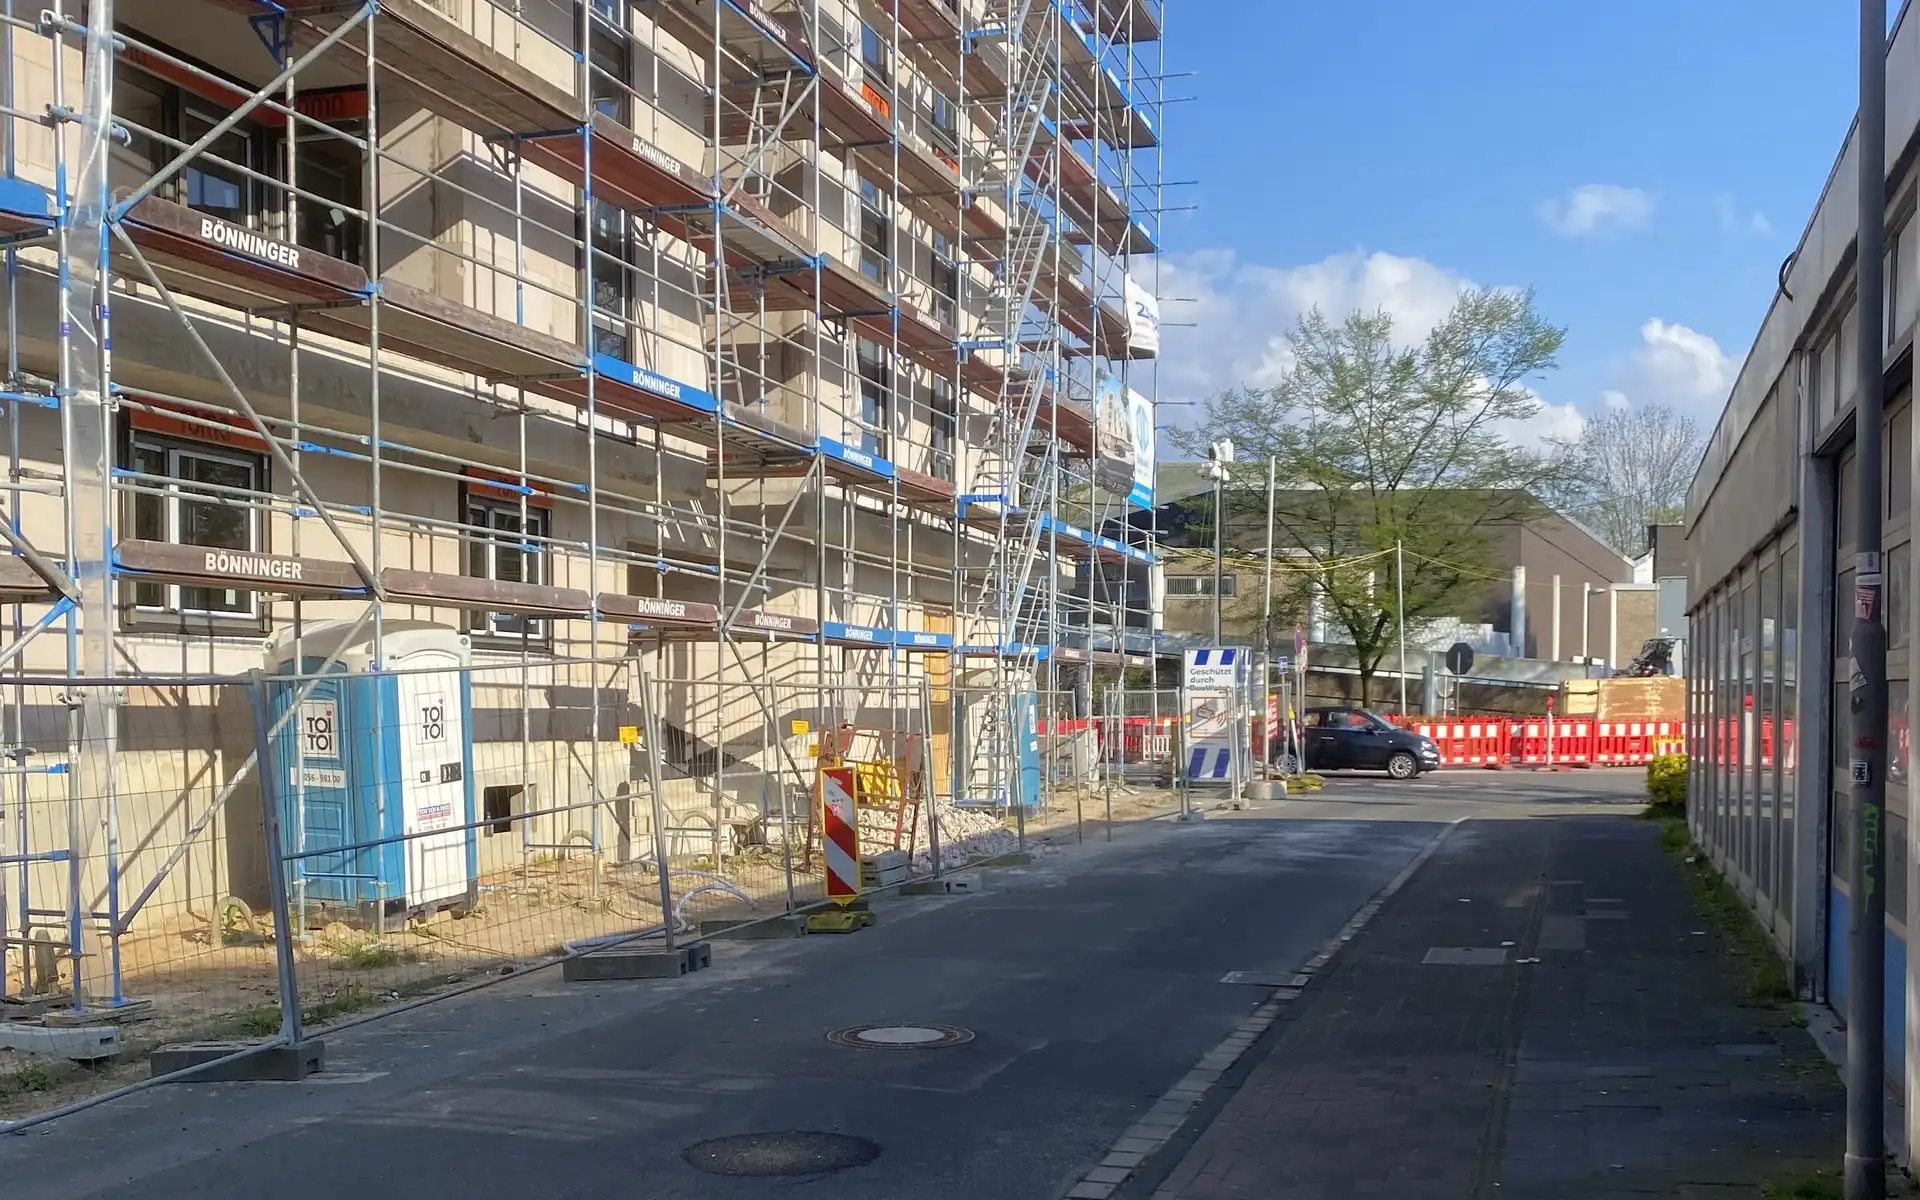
x: 238, y: 858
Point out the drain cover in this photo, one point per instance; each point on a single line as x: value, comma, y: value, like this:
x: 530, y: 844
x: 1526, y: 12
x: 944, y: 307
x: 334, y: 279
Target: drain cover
x: 900, y: 1037
x: 796, y: 1152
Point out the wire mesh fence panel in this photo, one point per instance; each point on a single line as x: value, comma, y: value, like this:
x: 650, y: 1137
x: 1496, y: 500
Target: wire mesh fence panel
x: 133, y: 897
x: 442, y: 823
x: 736, y: 797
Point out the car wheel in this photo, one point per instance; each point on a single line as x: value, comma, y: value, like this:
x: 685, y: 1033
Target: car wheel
x: 1288, y: 763
x: 1403, y: 765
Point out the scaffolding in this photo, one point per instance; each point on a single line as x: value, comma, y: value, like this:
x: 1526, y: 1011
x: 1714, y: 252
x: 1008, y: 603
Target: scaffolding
x: 742, y: 341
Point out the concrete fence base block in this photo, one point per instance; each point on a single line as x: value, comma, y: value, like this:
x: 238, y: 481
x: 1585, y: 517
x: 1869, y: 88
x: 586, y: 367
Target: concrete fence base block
x: 947, y: 885
x: 601, y: 966
x: 1267, y: 789
x: 764, y: 929
x: 288, y: 1064
x: 83, y: 1044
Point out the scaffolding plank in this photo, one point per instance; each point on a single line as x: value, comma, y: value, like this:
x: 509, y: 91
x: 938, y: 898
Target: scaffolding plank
x: 487, y: 595
x: 24, y: 206
x: 774, y: 625
x: 453, y: 73
x: 238, y: 570
x: 656, y: 610
x: 628, y: 170
x: 747, y: 31
x: 201, y: 255
x: 20, y: 583
x: 423, y: 325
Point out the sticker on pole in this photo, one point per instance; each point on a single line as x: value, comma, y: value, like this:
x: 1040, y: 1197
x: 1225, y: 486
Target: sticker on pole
x: 1862, y: 771
x: 840, y: 824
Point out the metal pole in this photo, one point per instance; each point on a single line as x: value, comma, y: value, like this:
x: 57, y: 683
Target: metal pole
x: 276, y: 846
x: 1400, y: 605
x: 1866, y: 1170
x: 1586, y: 622
x: 1219, y: 493
x: 1266, y: 628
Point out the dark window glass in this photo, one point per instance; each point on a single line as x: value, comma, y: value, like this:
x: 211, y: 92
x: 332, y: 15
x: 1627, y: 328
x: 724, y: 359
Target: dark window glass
x: 503, y: 548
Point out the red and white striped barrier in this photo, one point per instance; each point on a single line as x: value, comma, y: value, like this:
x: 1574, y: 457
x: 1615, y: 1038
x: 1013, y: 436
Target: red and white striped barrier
x: 840, y: 826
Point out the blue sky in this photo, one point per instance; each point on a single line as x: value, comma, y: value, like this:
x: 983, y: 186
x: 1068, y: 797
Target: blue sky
x: 1643, y: 164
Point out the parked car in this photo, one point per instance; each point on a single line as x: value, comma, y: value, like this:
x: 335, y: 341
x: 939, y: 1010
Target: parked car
x: 1353, y: 739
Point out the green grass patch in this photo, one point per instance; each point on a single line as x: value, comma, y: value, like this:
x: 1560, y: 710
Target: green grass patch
x: 1812, y: 1185
x: 1763, y: 971
x: 29, y: 1077
x: 368, y: 953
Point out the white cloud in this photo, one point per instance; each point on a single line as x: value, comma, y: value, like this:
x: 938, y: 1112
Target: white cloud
x: 1734, y: 220
x: 1673, y: 365
x: 1242, y: 311
x: 1597, y: 208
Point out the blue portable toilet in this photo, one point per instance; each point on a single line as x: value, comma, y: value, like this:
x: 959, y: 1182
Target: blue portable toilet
x: 375, y: 757
x: 1026, y: 741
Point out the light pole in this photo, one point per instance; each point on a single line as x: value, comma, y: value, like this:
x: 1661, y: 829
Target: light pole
x: 1400, y: 611
x: 1865, y: 1164
x: 1219, y: 455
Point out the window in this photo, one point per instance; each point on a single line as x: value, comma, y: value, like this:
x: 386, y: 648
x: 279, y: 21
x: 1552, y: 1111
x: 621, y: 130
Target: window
x: 499, y: 805
x: 942, y: 422
x: 946, y: 123
x: 1900, y: 278
x: 212, y: 187
x: 329, y: 168
x: 1898, y: 469
x: 500, y: 548
x: 875, y: 389
x: 188, y: 496
x: 873, y: 51
x: 1199, y: 585
x: 610, y: 60
x: 945, y: 280
x: 876, y: 234
x: 613, y: 281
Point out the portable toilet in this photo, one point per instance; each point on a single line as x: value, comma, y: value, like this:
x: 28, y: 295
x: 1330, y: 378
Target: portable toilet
x: 1026, y: 741
x: 374, y: 756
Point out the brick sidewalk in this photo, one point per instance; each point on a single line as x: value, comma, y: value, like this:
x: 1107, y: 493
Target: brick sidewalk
x: 1620, y: 1064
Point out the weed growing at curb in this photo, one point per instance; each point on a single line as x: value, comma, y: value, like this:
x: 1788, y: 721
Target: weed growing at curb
x: 1813, y: 1185
x: 1764, y: 973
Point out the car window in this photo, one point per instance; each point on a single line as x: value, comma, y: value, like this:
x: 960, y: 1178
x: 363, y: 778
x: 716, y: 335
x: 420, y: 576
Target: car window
x: 1359, y: 720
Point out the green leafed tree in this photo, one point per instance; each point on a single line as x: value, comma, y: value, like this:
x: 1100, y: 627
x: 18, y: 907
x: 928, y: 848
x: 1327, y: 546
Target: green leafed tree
x: 1381, y: 440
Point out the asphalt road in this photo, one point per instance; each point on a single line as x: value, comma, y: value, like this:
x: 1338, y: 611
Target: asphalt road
x: 1091, y: 982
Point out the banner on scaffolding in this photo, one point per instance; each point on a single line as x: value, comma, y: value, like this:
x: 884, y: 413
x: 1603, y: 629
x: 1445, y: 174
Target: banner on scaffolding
x: 1140, y: 426
x: 1112, y: 436
x: 1143, y: 322
x: 1213, y: 696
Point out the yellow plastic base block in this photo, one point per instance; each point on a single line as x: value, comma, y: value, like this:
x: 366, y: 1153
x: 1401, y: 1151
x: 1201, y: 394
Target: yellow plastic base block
x: 839, y: 920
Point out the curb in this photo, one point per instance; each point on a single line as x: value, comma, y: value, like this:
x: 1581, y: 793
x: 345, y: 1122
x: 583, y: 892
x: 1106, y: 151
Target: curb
x: 1152, y: 1132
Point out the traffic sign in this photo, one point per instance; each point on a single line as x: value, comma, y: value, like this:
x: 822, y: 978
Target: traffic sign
x: 1460, y: 658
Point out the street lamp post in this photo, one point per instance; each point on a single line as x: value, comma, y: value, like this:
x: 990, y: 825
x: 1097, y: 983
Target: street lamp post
x: 1219, y: 454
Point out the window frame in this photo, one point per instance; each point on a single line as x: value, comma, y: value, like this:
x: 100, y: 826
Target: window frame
x: 533, y: 549
x: 172, y: 610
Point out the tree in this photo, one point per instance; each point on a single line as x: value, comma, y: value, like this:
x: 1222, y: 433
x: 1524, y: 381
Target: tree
x: 1378, y: 442
x: 1628, y: 469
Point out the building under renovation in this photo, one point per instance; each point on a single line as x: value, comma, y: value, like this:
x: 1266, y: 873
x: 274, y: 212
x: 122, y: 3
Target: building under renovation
x: 795, y: 356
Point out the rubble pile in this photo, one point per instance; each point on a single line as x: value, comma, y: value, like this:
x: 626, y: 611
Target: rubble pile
x: 966, y: 835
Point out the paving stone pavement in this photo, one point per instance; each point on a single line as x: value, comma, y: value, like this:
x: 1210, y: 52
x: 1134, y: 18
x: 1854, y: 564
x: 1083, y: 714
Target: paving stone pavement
x: 1596, y: 1047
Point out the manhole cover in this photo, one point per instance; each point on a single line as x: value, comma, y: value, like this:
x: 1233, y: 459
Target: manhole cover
x: 900, y: 1037
x: 793, y: 1153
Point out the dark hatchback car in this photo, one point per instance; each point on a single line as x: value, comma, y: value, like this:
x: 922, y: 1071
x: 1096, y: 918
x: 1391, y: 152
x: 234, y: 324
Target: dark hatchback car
x: 1353, y: 739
